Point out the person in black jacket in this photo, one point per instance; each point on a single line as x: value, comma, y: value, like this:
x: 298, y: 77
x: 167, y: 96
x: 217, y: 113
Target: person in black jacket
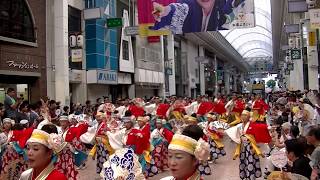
x: 295, y: 152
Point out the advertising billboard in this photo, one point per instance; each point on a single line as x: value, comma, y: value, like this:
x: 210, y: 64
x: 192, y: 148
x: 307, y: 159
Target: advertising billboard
x: 159, y: 17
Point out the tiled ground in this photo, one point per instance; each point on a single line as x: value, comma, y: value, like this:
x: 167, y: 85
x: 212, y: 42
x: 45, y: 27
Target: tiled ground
x: 224, y: 169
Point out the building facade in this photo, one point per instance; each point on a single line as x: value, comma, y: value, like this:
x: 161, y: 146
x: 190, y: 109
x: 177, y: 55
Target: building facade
x: 23, y: 48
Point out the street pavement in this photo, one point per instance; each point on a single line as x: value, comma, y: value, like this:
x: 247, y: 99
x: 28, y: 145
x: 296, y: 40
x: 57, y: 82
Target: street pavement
x: 223, y: 169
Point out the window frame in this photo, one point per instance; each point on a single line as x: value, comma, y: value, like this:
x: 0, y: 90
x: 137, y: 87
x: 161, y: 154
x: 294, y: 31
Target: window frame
x: 23, y: 42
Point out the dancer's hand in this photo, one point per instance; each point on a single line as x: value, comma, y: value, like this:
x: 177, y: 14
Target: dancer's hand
x: 160, y: 11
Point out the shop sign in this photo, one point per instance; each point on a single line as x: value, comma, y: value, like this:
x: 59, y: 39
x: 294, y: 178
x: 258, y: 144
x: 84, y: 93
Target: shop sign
x: 107, y: 77
x: 114, y: 22
x: 312, y: 39
x: 76, y: 55
x: 131, y: 30
x: 153, y: 39
x: 22, y: 65
x: 314, y: 18
x: 75, y: 76
x: 295, y: 54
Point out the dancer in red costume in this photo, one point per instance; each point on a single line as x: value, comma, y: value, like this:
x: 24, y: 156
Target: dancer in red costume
x: 160, y: 139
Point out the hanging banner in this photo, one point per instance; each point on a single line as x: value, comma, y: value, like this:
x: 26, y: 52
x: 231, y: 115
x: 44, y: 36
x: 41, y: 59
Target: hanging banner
x: 159, y: 17
x: 314, y: 18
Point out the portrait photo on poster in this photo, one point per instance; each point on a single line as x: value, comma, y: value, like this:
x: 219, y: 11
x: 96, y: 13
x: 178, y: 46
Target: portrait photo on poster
x: 186, y: 16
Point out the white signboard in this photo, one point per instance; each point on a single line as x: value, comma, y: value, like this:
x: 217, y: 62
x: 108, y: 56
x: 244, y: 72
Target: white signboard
x: 75, y: 76
x: 314, y: 18
x: 76, y: 55
x: 102, y: 77
x: 131, y: 30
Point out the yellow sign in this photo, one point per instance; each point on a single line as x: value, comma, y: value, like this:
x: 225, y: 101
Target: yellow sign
x: 257, y: 86
x: 312, y: 39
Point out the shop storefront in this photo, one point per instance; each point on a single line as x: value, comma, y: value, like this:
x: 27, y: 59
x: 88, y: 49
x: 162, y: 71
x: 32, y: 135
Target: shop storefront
x: 23, y: 48
x: 102, y: 83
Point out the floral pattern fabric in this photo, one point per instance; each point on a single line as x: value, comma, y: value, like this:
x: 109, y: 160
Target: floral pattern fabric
x: 12, y: 164
x: 66, y: 164
x: 160, y: 156
x: 249, y: 163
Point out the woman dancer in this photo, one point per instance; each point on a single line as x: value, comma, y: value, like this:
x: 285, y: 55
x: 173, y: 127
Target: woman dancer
x: 247, y: 147
x: 214, y: 136
x: 160, y: 139
x: 40, y: 150
x: 186, y: 152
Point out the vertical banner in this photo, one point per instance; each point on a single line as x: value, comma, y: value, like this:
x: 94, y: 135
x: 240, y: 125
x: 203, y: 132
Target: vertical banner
x: 158, y: 17
x: 312, y: 39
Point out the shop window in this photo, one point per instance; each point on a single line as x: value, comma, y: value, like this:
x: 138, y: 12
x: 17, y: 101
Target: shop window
x: 125, y: 50
x: 16, y: 20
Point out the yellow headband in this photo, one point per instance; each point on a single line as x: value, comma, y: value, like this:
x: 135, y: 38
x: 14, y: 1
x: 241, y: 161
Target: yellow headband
x: 211, y: 116
x: 192, y: 119
x: 245, y: 112
x: 143, y: 119
x: 39, y: 136
x: 183, y: 143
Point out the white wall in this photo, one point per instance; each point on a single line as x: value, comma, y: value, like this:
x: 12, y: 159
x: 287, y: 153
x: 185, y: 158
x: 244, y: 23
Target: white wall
x: 201, y: 77
x: 61, y: 52
x: 313, y: 71
x: 192, y: 65
x: 172, y: 78
x: 296, y: 76
x: 79, y: 4
x: 49, y: 49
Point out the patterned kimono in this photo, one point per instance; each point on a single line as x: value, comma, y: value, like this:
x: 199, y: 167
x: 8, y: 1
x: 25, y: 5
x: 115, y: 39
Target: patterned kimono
x: 102, y: 148
x: 160, y: 139
x: 13, y: 159
x: 13, y: 163
x: 249, y: 152
x: 138, y: 140
x: 66, y: 161
x: 203, y: 166
x: 73, y: 137
x: 151, y: 168
x: 216, y: 146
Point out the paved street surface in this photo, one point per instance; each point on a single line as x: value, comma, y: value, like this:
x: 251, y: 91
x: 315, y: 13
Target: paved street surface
x: 224, y: 169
